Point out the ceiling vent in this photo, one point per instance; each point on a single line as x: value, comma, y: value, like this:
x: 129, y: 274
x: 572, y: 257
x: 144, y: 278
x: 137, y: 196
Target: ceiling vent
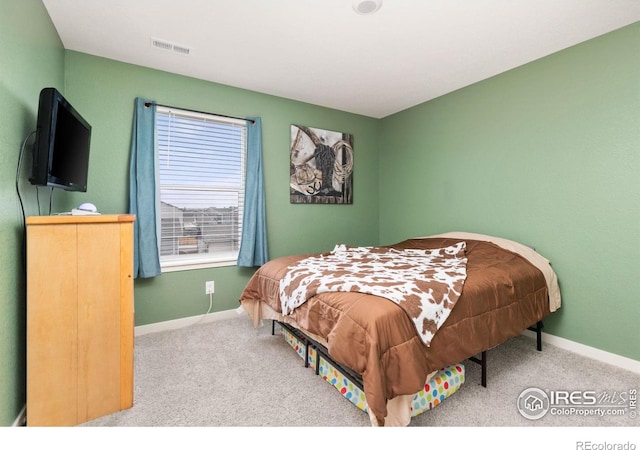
x: 170, y: 46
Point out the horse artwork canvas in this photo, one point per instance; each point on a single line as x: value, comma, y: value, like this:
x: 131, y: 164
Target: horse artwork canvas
x: 321, y: 169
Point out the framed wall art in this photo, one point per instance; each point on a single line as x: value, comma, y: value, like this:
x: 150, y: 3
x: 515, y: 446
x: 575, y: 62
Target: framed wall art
x: 321, y: 169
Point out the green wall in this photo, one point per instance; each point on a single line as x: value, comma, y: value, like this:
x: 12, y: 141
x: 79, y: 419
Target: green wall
x: 31, y: 57
x: 547, y: 154
x: 104, y: 91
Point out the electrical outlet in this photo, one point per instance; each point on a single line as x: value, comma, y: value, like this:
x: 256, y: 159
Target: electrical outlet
x: 209, y: 287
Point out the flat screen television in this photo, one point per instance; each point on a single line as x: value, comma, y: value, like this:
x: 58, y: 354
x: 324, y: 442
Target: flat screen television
x: 61, y: 147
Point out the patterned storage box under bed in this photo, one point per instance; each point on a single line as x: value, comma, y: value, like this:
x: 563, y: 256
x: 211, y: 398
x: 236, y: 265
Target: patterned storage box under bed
x: 444, y: 383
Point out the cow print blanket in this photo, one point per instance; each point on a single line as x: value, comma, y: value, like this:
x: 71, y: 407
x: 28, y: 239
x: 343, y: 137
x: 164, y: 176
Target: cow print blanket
x: 425, y: 283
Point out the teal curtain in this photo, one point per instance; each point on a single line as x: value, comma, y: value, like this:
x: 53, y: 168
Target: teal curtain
x: 253, y: 246
x: 142, y: 190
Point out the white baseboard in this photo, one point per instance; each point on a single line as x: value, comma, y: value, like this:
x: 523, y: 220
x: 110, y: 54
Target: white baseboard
x: 21, y: 420
x: 589, y: 352
x: 187, y: 321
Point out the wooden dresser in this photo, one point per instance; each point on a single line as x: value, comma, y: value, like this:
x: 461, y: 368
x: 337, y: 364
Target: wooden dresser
x: 79, y: 318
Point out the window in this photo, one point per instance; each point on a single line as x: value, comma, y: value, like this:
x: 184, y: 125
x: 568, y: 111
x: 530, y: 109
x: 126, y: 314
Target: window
x: 201, y: 170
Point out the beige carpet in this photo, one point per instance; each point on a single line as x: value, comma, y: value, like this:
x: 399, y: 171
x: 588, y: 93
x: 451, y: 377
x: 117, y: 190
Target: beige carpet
x: 228, y: 374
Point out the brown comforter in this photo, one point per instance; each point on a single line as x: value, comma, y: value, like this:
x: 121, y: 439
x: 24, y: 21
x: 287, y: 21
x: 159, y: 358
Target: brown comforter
x: 502, y: 296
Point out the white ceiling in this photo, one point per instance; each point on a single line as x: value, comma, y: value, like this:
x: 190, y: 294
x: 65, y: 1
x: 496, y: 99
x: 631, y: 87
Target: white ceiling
x: 323, y: 52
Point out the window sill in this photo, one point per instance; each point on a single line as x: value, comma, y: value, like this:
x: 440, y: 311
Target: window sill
x: 178, y: 266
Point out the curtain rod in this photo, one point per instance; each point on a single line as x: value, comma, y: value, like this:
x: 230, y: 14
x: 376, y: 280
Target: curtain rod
x: 147, y: 104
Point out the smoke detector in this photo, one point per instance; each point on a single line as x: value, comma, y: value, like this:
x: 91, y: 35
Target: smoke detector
x: 366, y: 7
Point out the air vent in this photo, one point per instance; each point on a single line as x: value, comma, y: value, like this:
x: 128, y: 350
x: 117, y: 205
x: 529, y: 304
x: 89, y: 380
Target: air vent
x: 170, y: 46
x: 181, y: 49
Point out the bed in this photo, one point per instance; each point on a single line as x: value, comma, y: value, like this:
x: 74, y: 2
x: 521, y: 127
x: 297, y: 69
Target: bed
x: 491, y: 289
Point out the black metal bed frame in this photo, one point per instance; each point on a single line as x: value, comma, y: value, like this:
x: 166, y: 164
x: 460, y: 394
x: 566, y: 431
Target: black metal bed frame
x: 321, y: 350
x: 356, y: 378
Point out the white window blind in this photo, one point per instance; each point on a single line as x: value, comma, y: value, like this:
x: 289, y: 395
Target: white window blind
x: 201, y: 170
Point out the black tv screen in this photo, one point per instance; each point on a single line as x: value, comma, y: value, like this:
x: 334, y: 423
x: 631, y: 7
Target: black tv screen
x: 61, y: 149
